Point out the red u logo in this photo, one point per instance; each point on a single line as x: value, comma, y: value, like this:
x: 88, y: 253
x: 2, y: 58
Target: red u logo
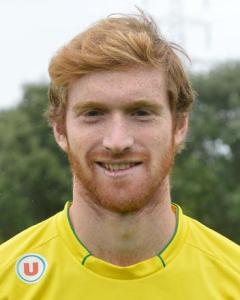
x: 33, y: 271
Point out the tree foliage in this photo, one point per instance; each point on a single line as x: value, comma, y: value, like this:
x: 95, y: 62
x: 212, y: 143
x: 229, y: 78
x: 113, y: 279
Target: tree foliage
x: 35, y: 179
x: 207, y: 176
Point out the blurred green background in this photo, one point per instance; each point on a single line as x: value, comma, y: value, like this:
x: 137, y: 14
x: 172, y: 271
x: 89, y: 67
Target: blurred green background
x: 35, y: 179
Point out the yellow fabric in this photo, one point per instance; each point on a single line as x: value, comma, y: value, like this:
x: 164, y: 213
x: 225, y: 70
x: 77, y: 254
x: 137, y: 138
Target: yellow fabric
x: 197, y: 263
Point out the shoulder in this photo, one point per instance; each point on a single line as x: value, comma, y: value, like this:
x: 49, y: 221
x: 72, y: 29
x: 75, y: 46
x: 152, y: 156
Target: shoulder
x: 29, y: 240
x: 213, y: 245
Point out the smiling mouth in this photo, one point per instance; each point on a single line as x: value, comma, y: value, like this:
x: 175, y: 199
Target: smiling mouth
x: 114, y: 167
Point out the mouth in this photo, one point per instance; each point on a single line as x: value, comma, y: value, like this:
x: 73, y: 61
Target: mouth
x: 118, y: 167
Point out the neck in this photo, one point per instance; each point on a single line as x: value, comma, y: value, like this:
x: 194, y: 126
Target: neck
x: 124, y: 239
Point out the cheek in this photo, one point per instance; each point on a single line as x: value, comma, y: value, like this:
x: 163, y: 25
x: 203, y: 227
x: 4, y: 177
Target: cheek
x: 76, y: 146
x: 158, y: 139
x: 77, y: 136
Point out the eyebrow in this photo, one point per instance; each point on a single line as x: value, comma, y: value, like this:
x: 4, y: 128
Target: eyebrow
x: 147, y: 104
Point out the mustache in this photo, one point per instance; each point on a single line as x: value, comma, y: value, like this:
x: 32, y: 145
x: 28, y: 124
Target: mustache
x: 105, y: 155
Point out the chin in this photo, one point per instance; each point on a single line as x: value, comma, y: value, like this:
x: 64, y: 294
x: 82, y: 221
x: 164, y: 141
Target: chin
x: 124, y: 200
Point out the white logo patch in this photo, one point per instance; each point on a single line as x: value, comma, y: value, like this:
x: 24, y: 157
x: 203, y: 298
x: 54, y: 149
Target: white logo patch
x: 31, y: 267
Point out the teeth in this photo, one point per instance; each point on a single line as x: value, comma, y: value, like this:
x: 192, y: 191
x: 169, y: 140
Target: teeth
x: 115, y: 167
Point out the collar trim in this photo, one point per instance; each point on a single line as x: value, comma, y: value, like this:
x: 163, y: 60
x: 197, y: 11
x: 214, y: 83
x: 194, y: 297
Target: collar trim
x: 136, y: 271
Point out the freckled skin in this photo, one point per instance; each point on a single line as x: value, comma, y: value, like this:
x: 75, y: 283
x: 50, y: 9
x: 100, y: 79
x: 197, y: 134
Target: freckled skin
x: 116, y: 133
x: 121, y: 116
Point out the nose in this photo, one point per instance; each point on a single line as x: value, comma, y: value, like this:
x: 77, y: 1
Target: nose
x: 118, y: 138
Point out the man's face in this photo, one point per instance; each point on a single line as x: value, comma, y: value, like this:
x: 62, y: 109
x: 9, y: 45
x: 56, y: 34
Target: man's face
x: 119, y: 137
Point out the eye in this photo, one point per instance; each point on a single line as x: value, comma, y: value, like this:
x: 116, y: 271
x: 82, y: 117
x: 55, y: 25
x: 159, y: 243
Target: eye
x: 141, y: 113
x: 93, y: 113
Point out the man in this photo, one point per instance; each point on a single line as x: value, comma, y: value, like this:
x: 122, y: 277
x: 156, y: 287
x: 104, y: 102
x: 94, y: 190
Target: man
x: 119, y: 103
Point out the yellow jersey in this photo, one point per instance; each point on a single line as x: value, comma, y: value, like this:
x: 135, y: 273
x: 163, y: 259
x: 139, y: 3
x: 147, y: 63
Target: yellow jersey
x: 48, y: 261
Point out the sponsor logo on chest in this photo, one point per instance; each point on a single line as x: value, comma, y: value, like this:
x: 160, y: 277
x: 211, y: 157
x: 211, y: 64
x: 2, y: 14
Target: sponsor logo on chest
x: 31, y: 267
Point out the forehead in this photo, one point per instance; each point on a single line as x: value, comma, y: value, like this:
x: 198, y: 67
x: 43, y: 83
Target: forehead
x: 119, y: 86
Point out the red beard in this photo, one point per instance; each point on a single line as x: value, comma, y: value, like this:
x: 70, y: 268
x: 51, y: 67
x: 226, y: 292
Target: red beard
x: 123, y: 196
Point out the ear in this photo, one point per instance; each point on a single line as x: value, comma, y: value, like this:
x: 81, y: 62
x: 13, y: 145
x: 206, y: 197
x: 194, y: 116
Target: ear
x: 60, y: 136
x: 181, y: 129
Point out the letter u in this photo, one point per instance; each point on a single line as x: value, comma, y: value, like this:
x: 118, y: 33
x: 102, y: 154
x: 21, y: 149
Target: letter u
x: 34, y: 268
